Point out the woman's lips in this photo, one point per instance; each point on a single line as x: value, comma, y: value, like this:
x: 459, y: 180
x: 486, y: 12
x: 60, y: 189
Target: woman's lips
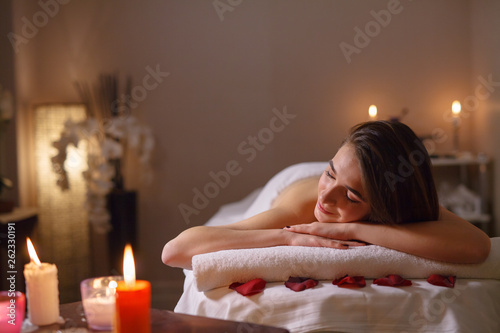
x: 322, y: 209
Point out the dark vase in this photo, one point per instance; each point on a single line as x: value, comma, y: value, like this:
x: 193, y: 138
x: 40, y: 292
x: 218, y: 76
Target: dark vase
x: 122, y: 206
x: 6, y: 206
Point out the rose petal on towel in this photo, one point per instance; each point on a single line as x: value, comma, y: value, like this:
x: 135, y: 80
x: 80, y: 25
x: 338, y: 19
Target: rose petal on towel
x: 392, y: 280
x: 300, y: 283
x: 350, y: 282
x: 249, y: 288
x: 442, y: 281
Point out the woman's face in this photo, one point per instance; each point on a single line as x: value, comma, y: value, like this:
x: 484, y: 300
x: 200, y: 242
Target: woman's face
x: 341, y: 194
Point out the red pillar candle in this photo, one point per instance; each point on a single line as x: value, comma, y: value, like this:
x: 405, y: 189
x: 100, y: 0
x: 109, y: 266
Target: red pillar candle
x: 133, y: 300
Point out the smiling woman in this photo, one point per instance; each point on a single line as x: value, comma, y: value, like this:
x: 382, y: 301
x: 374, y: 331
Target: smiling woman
x: 341, y: 192
x: 379, y: 181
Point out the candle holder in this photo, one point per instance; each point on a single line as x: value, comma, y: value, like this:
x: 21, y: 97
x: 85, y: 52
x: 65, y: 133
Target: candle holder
x: 12, y: 306
x: 98, y: 299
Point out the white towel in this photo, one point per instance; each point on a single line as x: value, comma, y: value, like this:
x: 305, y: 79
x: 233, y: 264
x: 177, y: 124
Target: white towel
x: 217, y: 269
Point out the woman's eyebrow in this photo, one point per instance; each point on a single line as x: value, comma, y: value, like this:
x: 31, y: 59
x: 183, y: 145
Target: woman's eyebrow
x: 331, y: 166
x: 356, y: 193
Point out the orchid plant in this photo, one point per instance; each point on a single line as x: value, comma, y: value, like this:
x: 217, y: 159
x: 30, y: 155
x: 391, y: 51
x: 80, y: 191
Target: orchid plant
x: 109, y: 135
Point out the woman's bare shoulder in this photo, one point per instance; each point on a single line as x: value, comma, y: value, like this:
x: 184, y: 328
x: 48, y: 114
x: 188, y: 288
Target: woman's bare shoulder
x: 301, y: 195
x: 294, y: 205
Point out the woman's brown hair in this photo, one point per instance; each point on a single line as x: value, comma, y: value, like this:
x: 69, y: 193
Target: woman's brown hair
x: 397, y: 172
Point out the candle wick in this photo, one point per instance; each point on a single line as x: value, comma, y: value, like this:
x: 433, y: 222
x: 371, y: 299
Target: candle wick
x: 39, y: 265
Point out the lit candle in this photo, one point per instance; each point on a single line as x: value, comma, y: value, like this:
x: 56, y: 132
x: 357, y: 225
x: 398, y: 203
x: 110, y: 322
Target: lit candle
x: 133, y: 299
x: 42, y: 291
x: 372, y: 112
x: 456, y: 108
x: 12, y: 304
x: 98, y: 299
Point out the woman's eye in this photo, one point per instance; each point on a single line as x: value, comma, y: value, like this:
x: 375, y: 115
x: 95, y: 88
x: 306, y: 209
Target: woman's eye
x: 351, y: 200
x: 329, y: 174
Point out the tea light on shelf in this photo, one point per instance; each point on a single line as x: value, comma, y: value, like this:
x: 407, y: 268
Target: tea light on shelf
x: 456, y: 107
x: 133, y: 299
x: 372, y: 112
x: 42, y: 290
x: 98, y: 299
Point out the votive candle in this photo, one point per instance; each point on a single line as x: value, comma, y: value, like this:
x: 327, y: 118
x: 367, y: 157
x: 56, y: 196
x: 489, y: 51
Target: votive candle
x: 12, y: 304
x: 98, y: 299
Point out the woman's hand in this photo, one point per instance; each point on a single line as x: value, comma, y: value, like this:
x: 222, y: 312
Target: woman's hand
x: 450, y: 239
x: 337, y: 231
x: 334, y: 235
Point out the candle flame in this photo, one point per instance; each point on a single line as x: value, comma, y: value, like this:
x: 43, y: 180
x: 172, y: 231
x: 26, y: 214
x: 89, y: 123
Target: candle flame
x: 111, y: 289
x: 456, y: 108
x: 128, y: 265
x: 32, y: 252
x: 372, y: 111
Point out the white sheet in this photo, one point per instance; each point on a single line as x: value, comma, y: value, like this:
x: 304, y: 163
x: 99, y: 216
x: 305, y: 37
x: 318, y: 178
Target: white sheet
x: 472, y: 306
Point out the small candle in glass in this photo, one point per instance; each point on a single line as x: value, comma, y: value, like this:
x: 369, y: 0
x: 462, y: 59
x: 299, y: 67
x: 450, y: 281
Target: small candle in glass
x: 12, y: 305
x: 98, y: 299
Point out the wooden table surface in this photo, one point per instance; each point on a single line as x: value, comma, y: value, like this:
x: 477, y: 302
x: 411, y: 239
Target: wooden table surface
x: 162, y: 321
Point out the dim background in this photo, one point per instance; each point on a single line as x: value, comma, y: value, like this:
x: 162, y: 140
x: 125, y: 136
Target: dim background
x: 230, y: 64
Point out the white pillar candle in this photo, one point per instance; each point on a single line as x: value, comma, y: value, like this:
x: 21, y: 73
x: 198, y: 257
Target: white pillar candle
x: 42, y: 289
x: 42, y: 293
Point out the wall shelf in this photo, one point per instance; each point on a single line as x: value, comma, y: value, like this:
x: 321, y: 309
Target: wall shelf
x: 468, y: 173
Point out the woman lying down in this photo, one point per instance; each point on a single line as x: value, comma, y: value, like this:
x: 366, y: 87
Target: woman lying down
x: 378, y: 189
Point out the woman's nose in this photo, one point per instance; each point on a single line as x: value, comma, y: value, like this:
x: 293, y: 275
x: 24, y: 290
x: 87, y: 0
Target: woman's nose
x: 330, y: 195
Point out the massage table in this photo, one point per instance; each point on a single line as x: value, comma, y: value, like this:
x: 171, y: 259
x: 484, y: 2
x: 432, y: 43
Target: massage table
x: 472, y: 305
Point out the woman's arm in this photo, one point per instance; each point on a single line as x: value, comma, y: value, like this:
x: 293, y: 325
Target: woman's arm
x: 197, y: 240
x: 450, y: 239
x: 256, y: 231
x: 294, y: 205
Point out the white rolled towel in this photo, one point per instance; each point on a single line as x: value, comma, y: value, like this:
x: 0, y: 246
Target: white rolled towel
x: 217, y: 269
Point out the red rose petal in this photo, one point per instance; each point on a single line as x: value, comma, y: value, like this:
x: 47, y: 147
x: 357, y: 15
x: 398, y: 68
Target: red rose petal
x: 249, y: 288
x: 442, y: 281
x: 392, y: 280
x: 350, y: 282
x: 300, y: 283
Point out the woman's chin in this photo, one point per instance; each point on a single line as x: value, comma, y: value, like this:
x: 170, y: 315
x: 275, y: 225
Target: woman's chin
x: 320, y: 217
